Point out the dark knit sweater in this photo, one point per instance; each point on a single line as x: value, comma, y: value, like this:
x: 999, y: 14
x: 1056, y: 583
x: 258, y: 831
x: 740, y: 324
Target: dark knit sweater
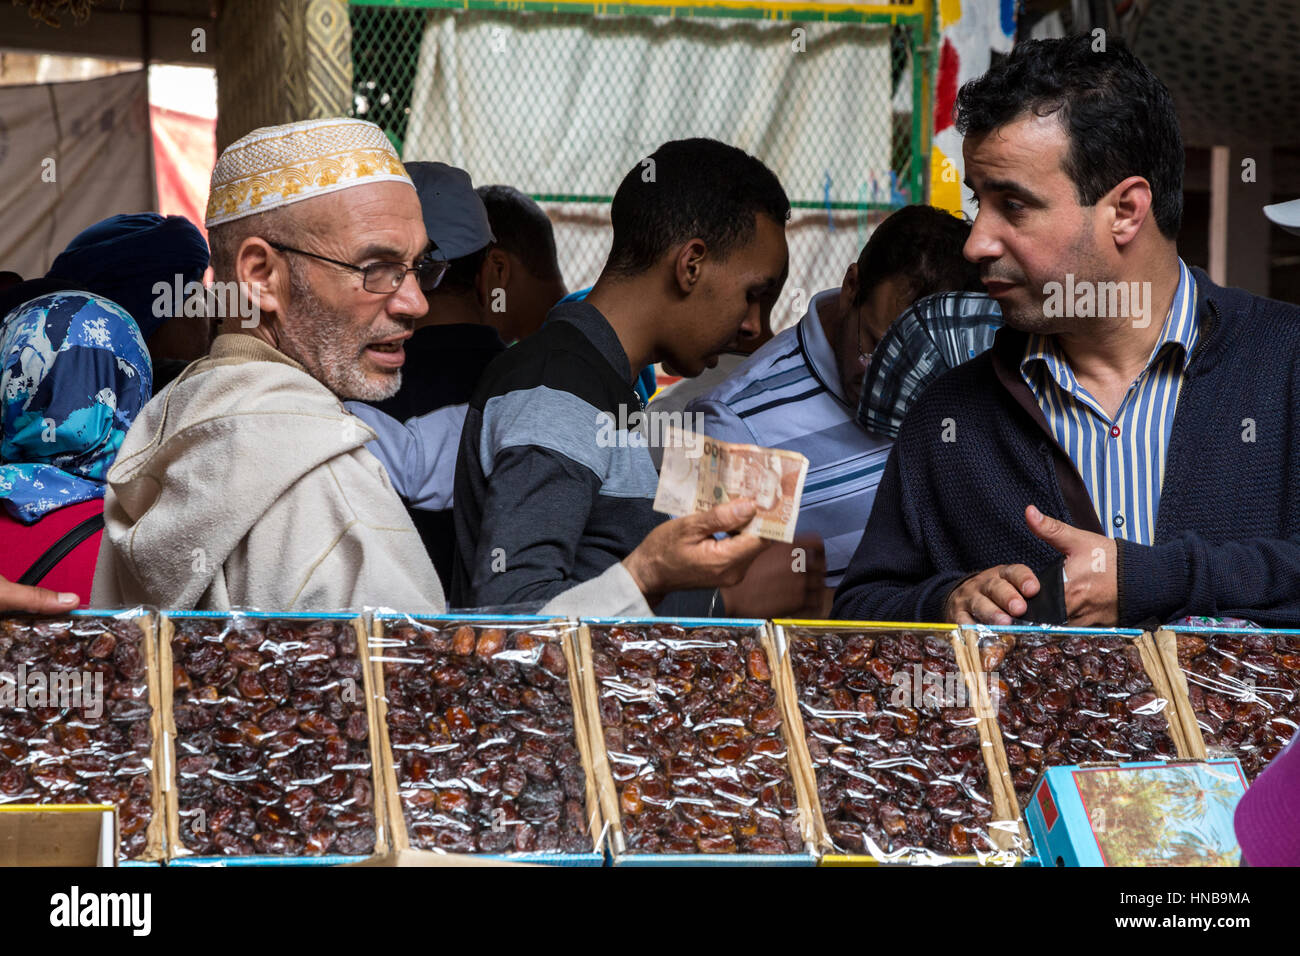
x: 1227, y: 537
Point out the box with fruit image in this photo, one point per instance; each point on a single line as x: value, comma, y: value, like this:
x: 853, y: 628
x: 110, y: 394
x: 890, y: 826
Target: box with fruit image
x: 1066, y: 695
x: 900, y: 747
x: 80, y: 719
x: 1149, y: 813
x: 1242, y: 687
x: 485, y: 742
x: 271, y: 742
x: 694, y: 757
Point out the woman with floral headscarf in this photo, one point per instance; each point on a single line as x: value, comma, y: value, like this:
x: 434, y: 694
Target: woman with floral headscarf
x: 74, y: 373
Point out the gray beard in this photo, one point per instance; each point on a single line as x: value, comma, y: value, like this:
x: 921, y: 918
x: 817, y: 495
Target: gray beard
x: 309, y: 338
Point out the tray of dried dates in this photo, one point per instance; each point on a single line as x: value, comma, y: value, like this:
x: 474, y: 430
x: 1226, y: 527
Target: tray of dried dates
x: 80, y: 712
x: 486, y: 752
x: 1076, y: 695
x: 272, y: 741
x: 692, y: 748
x: 900, y: 746
x: 1243, y: 690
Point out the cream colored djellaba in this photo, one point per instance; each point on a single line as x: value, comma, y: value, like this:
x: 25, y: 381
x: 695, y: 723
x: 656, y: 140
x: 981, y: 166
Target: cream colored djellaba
x: 246, y: 484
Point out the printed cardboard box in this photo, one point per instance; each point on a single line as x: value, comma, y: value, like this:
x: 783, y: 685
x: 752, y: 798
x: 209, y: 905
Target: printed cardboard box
x: 1138, y: 814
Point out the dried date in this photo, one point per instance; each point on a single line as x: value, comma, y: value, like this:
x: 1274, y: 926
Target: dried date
x: 694, y: 739
x: 897, y: 760
x: 1244, y: 689
x: 484, y: 741
x: 81, y: 732
x: 281, y: 754
x: 1074, y: 699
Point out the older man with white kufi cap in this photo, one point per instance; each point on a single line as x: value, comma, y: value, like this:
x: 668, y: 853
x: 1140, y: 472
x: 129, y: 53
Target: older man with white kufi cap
x: 246, y: 483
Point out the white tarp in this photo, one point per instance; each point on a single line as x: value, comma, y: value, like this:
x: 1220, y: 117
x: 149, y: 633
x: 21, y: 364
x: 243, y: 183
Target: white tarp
x: 96, y: 134
x: 567, y: 105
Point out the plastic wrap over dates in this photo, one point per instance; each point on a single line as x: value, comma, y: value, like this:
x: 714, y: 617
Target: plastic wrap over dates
x: 481, y: 723
x: 1073, y: 699
x: 692, y: 730
x: 74, y: 718
x: 1244, y: 688
x: 894, y: 742
x: 273, y: 742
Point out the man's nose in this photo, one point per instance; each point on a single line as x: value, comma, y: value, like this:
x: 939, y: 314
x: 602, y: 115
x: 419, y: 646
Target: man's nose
x: 982, y: 245
x: 408, y: 301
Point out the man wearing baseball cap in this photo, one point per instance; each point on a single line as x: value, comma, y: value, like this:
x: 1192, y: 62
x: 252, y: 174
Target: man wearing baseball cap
x: 453, y: 342
x: 445, y: 357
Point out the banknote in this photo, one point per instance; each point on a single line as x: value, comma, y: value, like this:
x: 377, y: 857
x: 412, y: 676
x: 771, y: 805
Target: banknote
x: 700, y: 472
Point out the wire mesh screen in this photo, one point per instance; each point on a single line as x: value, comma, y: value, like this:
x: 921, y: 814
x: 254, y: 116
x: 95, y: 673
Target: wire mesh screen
x: 562, y: 104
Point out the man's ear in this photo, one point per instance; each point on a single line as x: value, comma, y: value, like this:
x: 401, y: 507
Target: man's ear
x: 495, y: 274
x: 1130, y: 206
x: 688, y: 265
x: 265, y: 273
x: 849, y: 288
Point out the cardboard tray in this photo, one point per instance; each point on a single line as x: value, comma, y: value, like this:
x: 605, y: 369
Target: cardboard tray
x: 401, y: 842
x: 58, y: 834
x: 177, y: 853
x: 1010, y: 831
x: 1153, y: 662
x: 1166, y: 643
x: 155, y: 845
x: 620, y: 855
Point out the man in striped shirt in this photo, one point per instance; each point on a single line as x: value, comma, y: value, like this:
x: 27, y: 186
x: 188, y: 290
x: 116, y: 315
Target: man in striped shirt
x: 801, y: 390
x: 1132, y: 418
x: 1119, y: 454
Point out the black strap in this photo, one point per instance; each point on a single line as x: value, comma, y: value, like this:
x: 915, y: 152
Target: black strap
x: 62, y: 548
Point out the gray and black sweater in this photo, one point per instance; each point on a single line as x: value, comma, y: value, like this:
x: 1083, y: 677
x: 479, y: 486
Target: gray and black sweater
x: 544, y: 499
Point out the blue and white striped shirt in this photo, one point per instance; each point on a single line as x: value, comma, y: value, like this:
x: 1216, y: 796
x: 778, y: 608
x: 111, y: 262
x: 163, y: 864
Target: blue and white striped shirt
x: 788, y: 395
x: 1121, y: 461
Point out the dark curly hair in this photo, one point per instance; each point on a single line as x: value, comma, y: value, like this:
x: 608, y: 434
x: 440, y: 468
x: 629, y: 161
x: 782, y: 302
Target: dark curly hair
x: 1119, y: 117
x: 700, y: 187
x: 922, y: 246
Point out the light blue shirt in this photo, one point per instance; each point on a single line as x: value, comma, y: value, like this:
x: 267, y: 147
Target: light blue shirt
x: 418, y: 454
x: 788, y: 395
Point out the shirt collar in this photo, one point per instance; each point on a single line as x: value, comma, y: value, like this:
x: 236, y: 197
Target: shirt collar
x: 247, y: 348
x: 596, y: 327
x: 1180, y: 330
x: 817, y: 348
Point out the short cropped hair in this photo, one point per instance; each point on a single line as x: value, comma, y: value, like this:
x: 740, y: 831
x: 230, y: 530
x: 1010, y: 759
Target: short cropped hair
x: 685, y: 189
x: 522, y: 229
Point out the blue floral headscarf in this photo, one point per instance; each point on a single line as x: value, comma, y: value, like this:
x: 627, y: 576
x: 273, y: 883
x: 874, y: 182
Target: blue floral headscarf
x: 74, y: 373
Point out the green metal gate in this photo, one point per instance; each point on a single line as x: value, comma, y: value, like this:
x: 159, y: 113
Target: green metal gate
x: 839, y: 95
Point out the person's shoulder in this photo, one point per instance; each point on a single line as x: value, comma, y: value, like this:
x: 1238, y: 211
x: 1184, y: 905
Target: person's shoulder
x: 558, y: 357
x: 1243, y: 320
x: 966, y: 391
x: 242, y: 383
x: 777, y: 355
x: 1261, y: 312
